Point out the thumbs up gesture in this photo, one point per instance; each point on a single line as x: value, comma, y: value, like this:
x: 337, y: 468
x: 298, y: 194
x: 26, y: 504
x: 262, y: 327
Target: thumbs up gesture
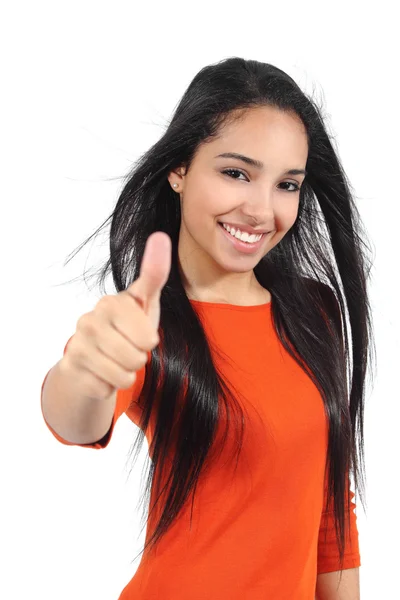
x: 112, y: 341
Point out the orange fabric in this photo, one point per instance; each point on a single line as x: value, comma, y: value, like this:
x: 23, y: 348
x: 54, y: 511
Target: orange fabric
x: 261, y: 532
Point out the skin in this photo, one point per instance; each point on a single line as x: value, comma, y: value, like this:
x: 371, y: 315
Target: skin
x: 349, y: 588
x: 212, y: 269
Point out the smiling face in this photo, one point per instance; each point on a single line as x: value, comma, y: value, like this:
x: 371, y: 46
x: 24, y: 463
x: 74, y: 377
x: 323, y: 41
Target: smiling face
x: 218, y: 189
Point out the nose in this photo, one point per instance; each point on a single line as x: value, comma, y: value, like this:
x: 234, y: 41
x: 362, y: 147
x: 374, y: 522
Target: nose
x: 259, y: 214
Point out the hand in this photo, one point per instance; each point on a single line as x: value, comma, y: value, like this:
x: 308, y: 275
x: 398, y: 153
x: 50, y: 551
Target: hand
x: 111, y: 342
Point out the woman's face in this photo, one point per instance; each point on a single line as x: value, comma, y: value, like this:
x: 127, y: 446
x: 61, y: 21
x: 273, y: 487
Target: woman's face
x: 228, y: 190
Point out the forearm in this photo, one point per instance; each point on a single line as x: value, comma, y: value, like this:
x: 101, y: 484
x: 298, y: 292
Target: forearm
x: 74, y: 417
x: 328, y: 587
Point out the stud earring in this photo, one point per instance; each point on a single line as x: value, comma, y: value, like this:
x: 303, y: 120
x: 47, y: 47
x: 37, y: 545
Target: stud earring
x: 175, y: 185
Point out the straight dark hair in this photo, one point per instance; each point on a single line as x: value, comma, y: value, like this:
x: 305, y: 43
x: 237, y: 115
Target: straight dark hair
x: 316, y: 272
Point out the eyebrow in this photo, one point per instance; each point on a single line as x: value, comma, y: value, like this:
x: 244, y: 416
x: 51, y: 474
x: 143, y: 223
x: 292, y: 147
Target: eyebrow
x: 256, y: 163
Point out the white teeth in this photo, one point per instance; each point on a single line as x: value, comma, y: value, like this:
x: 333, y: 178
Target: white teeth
x: 244, y: 237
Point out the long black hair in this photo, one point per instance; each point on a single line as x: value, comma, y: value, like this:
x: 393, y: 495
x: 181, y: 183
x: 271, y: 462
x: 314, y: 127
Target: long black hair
x: 316, y: 273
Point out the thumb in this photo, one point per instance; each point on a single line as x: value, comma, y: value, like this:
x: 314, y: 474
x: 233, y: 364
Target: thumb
x: 154, y: 270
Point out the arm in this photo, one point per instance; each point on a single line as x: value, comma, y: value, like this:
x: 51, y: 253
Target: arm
x: 74, y: 417
x: 76, y: 421
x: 329, y: 588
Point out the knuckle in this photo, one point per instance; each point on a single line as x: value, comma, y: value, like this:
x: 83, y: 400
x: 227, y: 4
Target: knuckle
x: 140, y: 359
x: 76, y: 351
x: 126, y: 381
x: 105, y: 303
x: 144, y: 358
x: 81, y: 322
x: 85, y: 323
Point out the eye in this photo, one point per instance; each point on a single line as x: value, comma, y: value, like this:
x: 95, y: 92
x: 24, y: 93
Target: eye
x: 228, y: 171
x: 296, y: 187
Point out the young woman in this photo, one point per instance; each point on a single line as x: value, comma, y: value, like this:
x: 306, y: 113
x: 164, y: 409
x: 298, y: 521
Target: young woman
x: 234, y: 327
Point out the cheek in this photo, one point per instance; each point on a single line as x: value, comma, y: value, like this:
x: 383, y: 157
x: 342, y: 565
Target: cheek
x: 195, y: 214
x: 286, y: 217
x: 202, y: 207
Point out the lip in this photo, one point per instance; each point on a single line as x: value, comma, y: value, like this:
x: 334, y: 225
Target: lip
x: 243, y: 247
x: 244, y: 228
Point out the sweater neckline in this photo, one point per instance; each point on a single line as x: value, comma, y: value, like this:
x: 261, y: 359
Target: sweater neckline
x: 224, y: 305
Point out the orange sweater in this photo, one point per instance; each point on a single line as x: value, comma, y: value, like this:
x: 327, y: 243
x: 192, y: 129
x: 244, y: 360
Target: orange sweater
x: 262, y: 533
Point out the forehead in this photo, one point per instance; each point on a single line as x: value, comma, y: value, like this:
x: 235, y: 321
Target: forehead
x: 262, y: 133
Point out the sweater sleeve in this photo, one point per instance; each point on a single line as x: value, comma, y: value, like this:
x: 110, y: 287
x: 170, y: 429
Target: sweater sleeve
x: 125, y: 398
x: 328, y: 551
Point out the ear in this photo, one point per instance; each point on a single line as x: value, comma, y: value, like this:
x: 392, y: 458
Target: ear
x: 177, y: 176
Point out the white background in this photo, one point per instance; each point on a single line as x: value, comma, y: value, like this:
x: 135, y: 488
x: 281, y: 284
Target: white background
x: 86, y: 88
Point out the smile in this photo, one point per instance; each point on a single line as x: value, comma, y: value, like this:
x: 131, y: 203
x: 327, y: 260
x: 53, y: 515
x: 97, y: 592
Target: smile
x: 244, y: 247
